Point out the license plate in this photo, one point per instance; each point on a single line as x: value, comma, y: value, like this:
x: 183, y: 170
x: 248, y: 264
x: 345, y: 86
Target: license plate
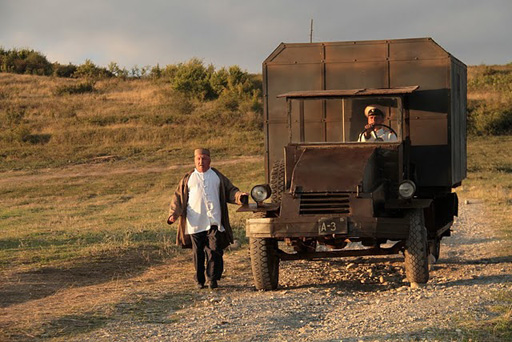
x: 333, y: 225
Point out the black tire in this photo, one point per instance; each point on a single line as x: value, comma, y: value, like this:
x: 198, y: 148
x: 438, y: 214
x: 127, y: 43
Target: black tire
x: 264, y: 263
x: 277, y: 181
x: 416, y: 249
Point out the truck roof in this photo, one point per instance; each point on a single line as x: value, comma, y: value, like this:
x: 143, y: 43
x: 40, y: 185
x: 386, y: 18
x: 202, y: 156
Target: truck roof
x: 349, y: 92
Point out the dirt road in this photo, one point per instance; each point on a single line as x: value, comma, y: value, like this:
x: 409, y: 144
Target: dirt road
x: 352, y: 299
x: 99, y: 169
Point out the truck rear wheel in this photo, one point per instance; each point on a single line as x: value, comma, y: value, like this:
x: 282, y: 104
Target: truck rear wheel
x: 264, y: 263
x: 277, y: 181
x: 416, y: 249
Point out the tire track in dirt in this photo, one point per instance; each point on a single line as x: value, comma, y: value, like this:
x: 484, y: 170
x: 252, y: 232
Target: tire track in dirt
x: 99, y: 170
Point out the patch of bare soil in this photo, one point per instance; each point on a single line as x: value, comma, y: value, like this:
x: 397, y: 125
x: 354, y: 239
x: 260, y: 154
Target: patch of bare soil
x: 349, y: 299
x: 97, y: 168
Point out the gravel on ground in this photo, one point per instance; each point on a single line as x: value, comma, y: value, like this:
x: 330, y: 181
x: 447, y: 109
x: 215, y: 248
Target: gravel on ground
x: 348, y: 299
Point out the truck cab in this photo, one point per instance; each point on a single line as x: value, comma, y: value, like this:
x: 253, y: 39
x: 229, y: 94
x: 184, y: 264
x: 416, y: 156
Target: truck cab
x: 334, y: 177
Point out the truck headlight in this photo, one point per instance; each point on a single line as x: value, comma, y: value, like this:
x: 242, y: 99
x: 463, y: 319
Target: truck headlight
x: 406, y: 189
x: 259, y: 193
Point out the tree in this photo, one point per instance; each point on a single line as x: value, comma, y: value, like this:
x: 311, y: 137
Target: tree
x: 155, y: 72
x: 61, y: 70
x: 24, y: 61
x: 117, y: 71
x: 192, y: 78
x: 219, y: 81
x: 90, y: 70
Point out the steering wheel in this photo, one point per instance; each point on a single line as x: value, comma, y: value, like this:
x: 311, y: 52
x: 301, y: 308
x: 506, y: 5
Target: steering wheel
x: 372, y: 126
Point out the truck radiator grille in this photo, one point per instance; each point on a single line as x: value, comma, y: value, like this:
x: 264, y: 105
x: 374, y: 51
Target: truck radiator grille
x: 324, y: 203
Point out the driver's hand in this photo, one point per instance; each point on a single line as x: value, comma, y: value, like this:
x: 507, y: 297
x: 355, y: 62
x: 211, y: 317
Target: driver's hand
x: 368, y: 129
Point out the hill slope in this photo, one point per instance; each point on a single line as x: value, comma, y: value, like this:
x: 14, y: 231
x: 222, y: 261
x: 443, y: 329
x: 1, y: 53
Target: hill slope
x: 43, y: 125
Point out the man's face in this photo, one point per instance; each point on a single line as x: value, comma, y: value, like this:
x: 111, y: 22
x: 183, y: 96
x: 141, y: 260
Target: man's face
x: 202, y: 162
x: 375, y: 119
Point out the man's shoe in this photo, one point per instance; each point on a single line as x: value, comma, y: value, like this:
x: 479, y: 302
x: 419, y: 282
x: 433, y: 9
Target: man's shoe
x: 213, y: 284
x: 199, y: 286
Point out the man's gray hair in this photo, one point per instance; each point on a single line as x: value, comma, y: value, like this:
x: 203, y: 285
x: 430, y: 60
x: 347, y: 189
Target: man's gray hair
x: 199, y: 151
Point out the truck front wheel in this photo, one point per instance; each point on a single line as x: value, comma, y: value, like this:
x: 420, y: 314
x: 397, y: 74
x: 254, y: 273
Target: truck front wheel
x: 264, y: 263
x: 416, y: 249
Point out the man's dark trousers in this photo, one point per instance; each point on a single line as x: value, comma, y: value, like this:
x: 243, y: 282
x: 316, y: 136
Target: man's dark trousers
x: 205, y: 249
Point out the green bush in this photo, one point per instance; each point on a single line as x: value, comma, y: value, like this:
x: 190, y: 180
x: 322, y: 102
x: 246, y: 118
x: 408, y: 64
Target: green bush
x: 117, y: 71
x: 176, y: 102
x: 168, y: 72
x: 77, y: 88
x: 192, y: 78
x: 229, y: 101
x: 219, y: 81
x: 490, y: 78
x: 61, y: 70
x: 155, y: 72
x: 35, y: 139
x: 17, y: 134
x: 24, y: 61
x: 91, y: 71
x: 489, y: 118
x: 490, y: 100
x: 13, y: 116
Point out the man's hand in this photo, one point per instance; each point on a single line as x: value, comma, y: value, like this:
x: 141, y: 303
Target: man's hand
x: 244, y: 198
x: 368, y: 130
x: 171, y: 219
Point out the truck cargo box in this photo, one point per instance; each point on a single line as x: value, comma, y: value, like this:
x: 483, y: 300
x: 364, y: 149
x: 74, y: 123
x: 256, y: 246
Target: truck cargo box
x: 437, y: 108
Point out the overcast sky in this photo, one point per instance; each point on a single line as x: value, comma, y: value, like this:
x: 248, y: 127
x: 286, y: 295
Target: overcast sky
x: 242, y: 32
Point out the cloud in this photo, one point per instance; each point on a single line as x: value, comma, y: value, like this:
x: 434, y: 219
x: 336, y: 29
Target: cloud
x: 228, y: 32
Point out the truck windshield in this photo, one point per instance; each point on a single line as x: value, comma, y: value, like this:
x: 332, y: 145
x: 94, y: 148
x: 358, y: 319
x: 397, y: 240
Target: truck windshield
x: 346, y: 120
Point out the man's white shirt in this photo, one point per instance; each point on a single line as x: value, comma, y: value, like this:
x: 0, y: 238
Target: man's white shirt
x: 203, y: 207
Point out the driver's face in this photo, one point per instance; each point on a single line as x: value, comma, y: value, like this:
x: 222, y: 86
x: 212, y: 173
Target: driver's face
x: 375, y: 119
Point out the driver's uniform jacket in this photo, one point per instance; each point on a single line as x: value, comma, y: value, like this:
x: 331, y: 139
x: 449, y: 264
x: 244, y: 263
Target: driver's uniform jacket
x: 228, y: 193
x: 382, y: 134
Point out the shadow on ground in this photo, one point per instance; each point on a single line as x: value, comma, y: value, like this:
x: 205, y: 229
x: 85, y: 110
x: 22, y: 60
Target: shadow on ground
x: 46, y: 281
x: 482, y: 261
x: 362, y: 274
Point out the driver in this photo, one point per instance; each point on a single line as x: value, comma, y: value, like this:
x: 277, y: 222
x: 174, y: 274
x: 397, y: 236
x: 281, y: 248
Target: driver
x: 375, y: 130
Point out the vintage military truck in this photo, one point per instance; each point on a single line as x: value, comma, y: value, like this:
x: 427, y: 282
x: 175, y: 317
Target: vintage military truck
x: 328, y: 188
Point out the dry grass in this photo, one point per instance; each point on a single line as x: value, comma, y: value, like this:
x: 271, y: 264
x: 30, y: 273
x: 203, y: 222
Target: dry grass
x: 489, y: 171
x: 76, y: 298
x: 86, y: 245
x: 490, y: 100
x: 130, y: 119
x: 490, y: 180
x: 82, y: 215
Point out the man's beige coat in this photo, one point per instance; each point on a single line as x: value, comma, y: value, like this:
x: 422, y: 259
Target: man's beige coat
x: 228, y: 194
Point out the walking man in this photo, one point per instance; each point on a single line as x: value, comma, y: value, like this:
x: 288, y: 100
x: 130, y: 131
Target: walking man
x: 199, y: 204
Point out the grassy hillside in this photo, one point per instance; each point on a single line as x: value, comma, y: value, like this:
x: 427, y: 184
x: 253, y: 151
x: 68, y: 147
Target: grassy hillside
x: 99, y: 153
x: 490, y: 100
x: 52, y: 122
x: 43, y: 125
x: 86, y: 171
